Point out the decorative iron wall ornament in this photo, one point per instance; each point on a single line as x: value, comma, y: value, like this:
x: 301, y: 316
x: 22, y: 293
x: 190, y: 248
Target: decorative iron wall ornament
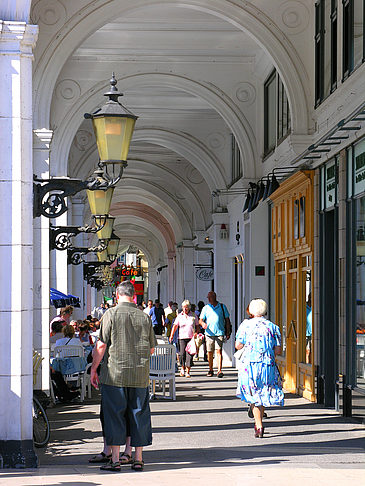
x: 60, y: 236
x: 75, y: 256
x: 90, y: 268
x: 49, y: 197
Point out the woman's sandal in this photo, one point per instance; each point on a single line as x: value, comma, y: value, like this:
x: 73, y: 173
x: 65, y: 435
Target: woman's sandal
x: 137, y: 465
x: 127, y: 459
x: 111, y: 466
x: 99, y: 458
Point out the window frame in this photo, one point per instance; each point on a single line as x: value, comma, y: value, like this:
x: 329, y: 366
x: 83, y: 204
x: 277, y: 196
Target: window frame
x: 320, y: 45
x: 236, y: 161
x: 348, y: 38
x: 270, y: 79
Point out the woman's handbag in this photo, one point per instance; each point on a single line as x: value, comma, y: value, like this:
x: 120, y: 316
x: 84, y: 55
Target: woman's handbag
x: 191, y: 347
x: 239, y: 354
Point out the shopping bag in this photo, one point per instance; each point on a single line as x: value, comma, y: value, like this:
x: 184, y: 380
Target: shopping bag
x: 191, y: 347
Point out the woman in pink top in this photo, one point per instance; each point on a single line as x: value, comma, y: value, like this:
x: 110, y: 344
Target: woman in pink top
x: 187, y: 322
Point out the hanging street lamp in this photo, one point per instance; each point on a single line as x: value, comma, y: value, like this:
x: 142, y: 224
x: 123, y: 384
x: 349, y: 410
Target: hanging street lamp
x: 113, y: 246
x: 113, y: 126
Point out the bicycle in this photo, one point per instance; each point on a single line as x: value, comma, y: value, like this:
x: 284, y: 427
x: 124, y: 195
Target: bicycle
x: 41, y: 427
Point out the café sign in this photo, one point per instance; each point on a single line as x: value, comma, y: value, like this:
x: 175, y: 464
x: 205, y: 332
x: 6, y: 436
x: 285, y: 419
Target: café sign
x: 129, y: 271
x: 205, y: 274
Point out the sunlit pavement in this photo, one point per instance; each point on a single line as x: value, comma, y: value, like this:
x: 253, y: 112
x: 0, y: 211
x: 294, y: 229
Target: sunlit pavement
x: 205, y: 437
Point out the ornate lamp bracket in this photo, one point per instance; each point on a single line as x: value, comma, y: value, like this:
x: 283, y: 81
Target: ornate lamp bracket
x: 49, y: 197
x: 59, y: 236
x: 75, y: 256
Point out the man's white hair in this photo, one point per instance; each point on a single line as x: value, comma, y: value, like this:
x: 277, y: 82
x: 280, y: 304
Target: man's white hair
x: 257, y: 307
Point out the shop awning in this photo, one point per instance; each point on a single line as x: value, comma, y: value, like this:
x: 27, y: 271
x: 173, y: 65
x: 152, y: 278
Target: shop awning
x: 59, y: 299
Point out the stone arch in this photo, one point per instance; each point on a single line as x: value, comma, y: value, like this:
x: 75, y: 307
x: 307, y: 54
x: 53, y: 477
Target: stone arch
x: 132, y: 241
x: 146, y: 213
x: 249, y: 19
x: 146, y: 229
x: 169, y: 208
x: 195, y: 202
x: 223, y: 104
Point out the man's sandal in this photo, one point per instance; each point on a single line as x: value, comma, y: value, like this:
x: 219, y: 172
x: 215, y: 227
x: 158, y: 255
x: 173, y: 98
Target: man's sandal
x: 125, y: 459
x: 99, y: 458
x: 137, y: 465
x: 111, y: 466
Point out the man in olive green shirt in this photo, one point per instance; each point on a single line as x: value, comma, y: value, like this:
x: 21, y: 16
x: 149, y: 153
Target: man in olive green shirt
x: 126, y: 342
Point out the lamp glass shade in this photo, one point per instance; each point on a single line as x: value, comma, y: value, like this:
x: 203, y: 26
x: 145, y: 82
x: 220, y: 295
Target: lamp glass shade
x: 102, y: 256
x: 266, y: 190
x: 260, y: 192
x: 247, y: 202
x: 100, y: 200
x: 113, y: 136
x: 113, y: 247
x: 105, y: 232
x: 274, y: 184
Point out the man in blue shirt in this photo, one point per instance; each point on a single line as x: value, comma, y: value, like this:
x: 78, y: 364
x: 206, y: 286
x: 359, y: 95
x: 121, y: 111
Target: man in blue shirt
x: 157, y: 315
x: 213, y: 320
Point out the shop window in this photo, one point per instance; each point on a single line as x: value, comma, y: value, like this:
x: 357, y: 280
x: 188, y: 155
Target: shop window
x: 356, y: 169
x: 277, y: 117
x: 325, y: 48
x: 360, y: 292
x: 353, y: 35
x: 236, y: 160
x: 356, y: 282
x: 306, y: 351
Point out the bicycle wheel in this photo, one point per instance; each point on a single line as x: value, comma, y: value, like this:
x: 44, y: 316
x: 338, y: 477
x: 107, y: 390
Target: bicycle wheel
x: 41, y: 428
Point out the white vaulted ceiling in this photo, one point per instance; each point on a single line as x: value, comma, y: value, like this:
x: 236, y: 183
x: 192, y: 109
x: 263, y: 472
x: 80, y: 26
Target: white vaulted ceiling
x: 190, y: 78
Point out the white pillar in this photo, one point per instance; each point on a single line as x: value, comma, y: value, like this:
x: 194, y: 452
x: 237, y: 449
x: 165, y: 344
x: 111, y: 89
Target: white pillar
x: 171, y: 294
x: 17, y: 40
x: 41, y: 305
x: 152, y: 283
x: 223, y: 273
x: 58, y: 262
x: 202, y: 259
x: 76, y: 271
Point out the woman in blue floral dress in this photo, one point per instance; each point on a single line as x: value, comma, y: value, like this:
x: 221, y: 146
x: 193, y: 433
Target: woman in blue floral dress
x: 259, y: 381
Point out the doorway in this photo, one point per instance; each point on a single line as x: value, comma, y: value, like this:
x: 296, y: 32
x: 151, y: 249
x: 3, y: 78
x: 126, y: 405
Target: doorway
x: 292, y: 246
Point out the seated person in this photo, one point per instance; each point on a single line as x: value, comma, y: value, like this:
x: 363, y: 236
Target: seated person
x: 84, y: 334
x: 69, y: 337
x: 56, y: 331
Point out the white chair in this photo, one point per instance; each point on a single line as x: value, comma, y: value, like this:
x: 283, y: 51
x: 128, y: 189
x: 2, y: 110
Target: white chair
x: 162, y: 369
x: 71, y: 351
x: 68, y: 351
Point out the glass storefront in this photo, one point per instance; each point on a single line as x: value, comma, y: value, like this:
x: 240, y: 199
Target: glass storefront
x: 356, y: 193
x: 360, y: 291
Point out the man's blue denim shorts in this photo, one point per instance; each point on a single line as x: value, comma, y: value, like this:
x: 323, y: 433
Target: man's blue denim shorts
x: 126, y: 413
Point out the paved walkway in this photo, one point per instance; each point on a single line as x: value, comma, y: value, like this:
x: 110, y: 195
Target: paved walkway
x: 205, y: 438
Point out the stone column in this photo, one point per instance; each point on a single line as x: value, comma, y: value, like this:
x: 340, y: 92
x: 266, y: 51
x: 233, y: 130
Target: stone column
x: 17, y: 40
x: 189, y: 275
x: 58, y: 262
x: 202, y: 258
x: 41, y: 306
x: 152, y: 283
x: 76, y: 271
x: 222, y: 261
x: 171, y: 275
x: 223, y: 279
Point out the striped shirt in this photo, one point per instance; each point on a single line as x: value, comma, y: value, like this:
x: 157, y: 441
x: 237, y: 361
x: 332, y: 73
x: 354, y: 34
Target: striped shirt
x: 128, y: 334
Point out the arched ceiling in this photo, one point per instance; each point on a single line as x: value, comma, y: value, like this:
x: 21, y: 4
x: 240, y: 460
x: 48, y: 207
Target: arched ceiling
x: 193, y: 73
